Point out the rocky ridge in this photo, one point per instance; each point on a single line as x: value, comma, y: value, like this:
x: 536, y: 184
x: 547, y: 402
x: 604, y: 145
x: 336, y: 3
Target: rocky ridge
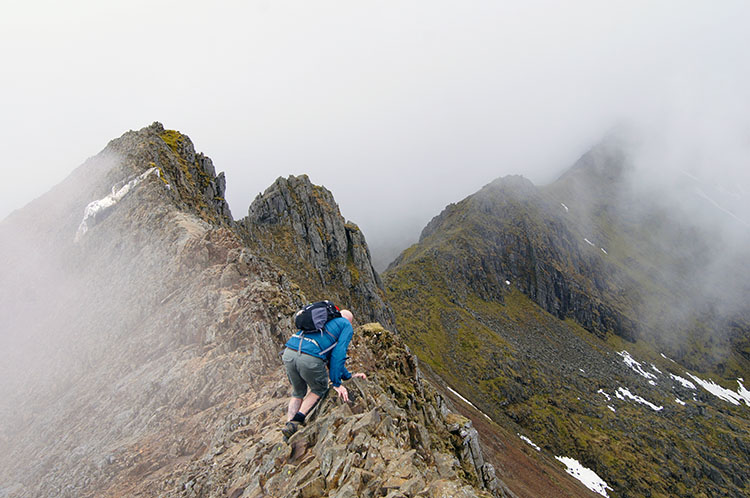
x: 397, y: 438
x: 141, y: 356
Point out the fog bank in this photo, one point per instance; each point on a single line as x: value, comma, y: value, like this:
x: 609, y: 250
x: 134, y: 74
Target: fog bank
x: 398, y: 108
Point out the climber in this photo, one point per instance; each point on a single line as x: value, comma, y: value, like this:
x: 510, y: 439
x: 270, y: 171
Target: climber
x: 305, y: 365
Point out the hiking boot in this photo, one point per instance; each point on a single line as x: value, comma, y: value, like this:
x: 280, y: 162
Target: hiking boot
x: 289, y: 429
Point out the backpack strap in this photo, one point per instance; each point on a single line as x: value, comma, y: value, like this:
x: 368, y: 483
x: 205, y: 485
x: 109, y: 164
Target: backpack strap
x: 335, y: 341
x: 301, y: 336
x: 329, y: 348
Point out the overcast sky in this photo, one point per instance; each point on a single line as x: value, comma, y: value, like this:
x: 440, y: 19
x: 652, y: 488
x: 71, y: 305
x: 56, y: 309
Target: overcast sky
x: 398, y: 107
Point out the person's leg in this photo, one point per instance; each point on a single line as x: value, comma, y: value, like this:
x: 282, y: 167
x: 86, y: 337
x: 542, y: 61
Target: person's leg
x: 299, y: 386
x: 313, y: 371
x: 294, y: 407
x: 307, y: 403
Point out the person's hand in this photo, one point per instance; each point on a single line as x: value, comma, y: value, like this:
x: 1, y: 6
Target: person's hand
x: 343, y: 393
x: 359, y: 375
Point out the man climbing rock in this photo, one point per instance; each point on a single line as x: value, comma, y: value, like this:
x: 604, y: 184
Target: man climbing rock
x: 305, y: 359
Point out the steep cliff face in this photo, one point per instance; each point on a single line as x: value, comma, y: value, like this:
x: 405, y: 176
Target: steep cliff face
x: 509, y: 231
x: 298, y: 225
x: 675, y: 261
x: 140, y: 341
x: 555, y: 310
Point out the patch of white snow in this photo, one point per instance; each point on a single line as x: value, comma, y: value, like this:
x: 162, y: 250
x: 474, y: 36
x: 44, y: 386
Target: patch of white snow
x: 587, y: 476
x: 678, y: 400
x: 468, y: 403
x: 744, y: 393
x: 611, y: 408
x: 667, y: 358
x: 683, y: 381
x: 507, y: 282
x: 703, y: 195
x: 103, y: 204
x: 605, y: 394
x: 603, y: 250
x: 529, y: 442
x: 589, y: 242
x: 566, y: 207
x: 636, y: 366
x: 623, y: 393
x: 723, y: 393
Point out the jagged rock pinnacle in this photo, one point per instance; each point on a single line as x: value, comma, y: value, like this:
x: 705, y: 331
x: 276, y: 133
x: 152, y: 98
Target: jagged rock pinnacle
x: 299, y: 225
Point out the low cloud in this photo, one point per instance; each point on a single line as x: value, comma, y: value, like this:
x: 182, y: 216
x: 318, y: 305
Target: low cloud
x: 397, y: 109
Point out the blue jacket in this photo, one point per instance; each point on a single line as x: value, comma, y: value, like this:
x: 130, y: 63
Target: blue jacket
x: 339, y: 329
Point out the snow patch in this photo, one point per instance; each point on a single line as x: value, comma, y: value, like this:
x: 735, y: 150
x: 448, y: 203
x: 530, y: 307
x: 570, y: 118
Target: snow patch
x: 703, y: 195
x: 679, y: 401
x: 623, y: 393
x: 636, y: 366
x: 667, y: 358
x: 605, y: 394
x: 655, y: 369
x: 507, y: 282
x: 728, y: 395
x: 603, y: 250
x: 529, y: 442
x: 611, y: 408
x: 587, y: 476
x: 684, y: 382
x: 589, y: 242
x: 744, y: 393
x: 468, y: 403
x: 99, y: 206
x: 566, y: 207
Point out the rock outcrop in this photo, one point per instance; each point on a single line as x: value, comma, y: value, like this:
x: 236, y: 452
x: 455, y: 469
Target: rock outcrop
x: 298, y: 225
x: 393, y: 439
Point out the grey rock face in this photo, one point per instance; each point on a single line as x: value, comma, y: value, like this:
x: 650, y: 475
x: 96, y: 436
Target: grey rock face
x: 511, y: 232
x: 190, y: 176
x: 299, y: 226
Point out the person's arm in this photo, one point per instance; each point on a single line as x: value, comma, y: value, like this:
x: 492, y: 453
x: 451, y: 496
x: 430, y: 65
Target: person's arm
x: 338, y: 371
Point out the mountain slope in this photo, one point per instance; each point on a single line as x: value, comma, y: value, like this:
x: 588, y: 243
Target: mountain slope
x: 547, y: 309
x: 139, y: 352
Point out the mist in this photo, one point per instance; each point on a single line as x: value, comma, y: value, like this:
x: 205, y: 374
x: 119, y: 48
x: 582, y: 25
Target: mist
x: 398, y: 109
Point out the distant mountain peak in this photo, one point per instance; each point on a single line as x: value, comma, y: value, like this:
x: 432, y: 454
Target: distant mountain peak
x: 608, y: 162
x: 511, y: 183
